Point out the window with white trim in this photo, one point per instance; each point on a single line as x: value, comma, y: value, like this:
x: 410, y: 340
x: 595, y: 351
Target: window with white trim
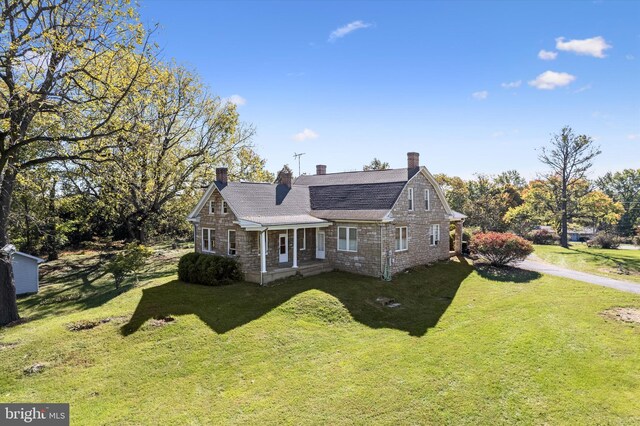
x: 434, y: 235
x: 225, y: 207
x: 231, y: 242
x: 208, y: 239
x: 401, y: 239
x: 347, y: 238
x: 212, y: 207
x: 302, y: 239
x: 427, y: 199
x: 410, y: 198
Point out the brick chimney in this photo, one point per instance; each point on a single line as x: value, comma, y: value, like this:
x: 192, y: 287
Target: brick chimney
x: 413, y: 160
x: 321, y: 169
x: 221, y: 175
x: 413, y: 163
x: 285, y: 179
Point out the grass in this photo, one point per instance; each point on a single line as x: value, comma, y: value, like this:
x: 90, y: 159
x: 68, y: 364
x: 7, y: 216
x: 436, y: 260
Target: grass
x: 618, y: 264
x: 465, y: 347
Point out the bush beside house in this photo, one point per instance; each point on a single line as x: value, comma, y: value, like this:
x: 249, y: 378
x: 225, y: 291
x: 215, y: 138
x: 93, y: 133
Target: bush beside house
x: 542, y: 236
x: 208, y: 269
x: 500, y: 249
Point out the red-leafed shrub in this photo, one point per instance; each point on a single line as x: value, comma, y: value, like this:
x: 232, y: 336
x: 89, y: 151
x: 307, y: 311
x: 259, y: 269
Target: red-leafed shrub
x: 542, y: 236
x: 500, y: 249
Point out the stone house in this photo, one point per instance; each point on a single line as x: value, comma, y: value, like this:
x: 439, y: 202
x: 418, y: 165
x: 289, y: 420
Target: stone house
x: 373, y: 223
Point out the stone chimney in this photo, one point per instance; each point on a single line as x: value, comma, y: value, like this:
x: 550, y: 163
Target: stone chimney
x: 285, y: 179
x: 321, y: 169
x: 221, y: 175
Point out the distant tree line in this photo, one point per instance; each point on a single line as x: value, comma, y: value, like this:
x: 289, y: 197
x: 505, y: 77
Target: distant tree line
x: 562, y: 197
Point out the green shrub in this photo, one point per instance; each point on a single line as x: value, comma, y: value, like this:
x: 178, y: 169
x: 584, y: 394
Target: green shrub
x: 500, y: 249
x: 542, y: 236
x: 208, y: 269
x: 636, y: 240
x: 127, y: 262
x: 604, y: 240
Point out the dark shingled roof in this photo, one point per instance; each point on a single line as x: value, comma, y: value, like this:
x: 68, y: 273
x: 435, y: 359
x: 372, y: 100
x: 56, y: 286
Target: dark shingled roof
x: 371, y: 196
x: 351, y: 178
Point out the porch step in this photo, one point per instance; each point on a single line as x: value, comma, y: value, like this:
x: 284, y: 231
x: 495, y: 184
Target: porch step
x: 279, y: 273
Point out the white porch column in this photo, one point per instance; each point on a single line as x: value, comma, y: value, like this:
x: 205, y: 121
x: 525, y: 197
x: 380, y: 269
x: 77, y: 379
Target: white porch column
x: 295, y: 248
x: 263, y: 251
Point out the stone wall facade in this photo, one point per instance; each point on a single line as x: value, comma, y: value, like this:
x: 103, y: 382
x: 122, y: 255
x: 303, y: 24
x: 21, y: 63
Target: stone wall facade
x: 376, y: 241
x: 418, y: 222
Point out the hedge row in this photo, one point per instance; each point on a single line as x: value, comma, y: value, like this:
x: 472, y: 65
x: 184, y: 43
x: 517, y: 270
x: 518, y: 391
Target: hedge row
x: 208, y: 269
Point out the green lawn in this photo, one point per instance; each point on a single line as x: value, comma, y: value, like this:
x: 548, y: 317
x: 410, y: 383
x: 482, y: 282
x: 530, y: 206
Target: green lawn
x: 618, y: 264
x: 465, y: 347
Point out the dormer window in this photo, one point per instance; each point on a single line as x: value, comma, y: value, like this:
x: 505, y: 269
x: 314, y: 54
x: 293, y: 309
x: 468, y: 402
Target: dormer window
x: 410, y: 199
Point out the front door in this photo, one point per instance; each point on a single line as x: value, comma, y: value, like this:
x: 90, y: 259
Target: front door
x: 283, y: 248
x: 320, y: 244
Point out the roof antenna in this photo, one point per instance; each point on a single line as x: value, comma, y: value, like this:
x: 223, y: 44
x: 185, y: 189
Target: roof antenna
x: 297, y: 156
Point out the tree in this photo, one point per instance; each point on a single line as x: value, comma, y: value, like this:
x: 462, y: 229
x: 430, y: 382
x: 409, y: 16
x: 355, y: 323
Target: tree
x: 624, y: 187
x: 375, y: 164
x: 598, y: 210
x: 455, y: 191
x: 179, y: 131
x: 60, y: 86
x: 569, y: 158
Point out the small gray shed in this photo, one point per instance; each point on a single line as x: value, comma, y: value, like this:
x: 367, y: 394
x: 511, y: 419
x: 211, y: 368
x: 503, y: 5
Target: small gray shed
x: 25, y: 272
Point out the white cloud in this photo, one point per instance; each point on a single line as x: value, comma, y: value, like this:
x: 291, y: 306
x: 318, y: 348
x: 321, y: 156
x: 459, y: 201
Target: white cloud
x: 583, y: 88
x: 346, y: 29
x: 549, y: 80
x: 633, y: 136
x: 594, y: 46
x: 498, y: 134
x: 512, y: 84
x: 547, y: 55
x: 480, y: 95
x: 630, y: 57
x: 305, y: 135
x: 237, y: 99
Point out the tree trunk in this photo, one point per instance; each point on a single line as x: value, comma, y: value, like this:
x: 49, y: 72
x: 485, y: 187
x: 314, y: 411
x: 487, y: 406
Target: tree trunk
x: 8, y: 305
x: 563, y: 234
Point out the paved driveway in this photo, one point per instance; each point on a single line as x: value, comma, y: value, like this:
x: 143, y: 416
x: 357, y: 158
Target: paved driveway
x: 535, y: 264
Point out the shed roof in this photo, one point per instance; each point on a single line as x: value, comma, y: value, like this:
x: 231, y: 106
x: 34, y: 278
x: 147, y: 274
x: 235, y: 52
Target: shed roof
x: 28, y: 256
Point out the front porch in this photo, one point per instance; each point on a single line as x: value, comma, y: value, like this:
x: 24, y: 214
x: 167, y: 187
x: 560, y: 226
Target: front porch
x: 285, y: 270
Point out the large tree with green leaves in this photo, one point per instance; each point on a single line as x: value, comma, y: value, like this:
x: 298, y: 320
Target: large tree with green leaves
x: 180, y: 131
x: 61, y: 83
x: 624, y: 187
x: 569, y: 157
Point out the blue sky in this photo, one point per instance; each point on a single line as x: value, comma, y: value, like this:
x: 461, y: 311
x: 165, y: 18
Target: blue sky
x: 473, y: 86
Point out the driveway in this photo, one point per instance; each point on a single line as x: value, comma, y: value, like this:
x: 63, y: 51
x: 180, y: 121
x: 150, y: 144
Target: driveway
x: 533, y: 263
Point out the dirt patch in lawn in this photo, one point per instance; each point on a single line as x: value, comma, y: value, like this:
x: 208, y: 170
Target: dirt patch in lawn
x: 89, y: 324
x: 161, y: 321
x: 629, y: 315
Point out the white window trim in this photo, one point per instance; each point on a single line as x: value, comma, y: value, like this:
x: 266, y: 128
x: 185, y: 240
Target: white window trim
x: 405, y: 239
x: 224, y: 207
x: 348, y: 228
x: 212, y: 207
x: 436, y: 235
x: 410, y: 198
x: 427, y: 199
x: 304, y: 239
x: 229, y: 242
x: 212, y: 242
